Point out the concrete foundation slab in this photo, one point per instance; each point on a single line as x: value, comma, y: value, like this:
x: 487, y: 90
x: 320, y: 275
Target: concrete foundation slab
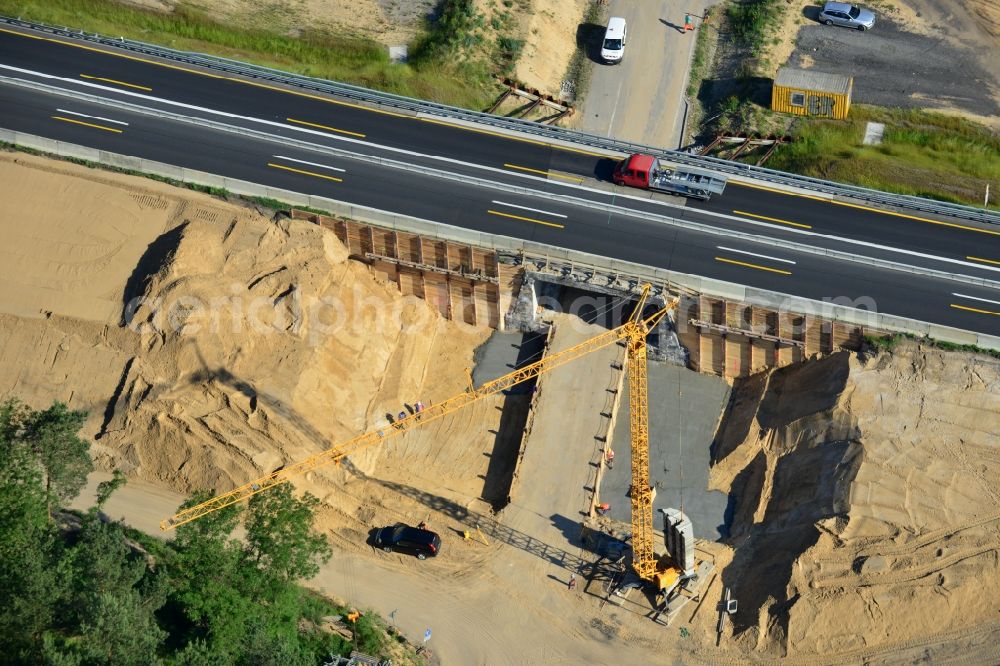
x: 684, y: 411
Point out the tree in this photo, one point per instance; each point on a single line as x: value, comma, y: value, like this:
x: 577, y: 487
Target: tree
x: 29, y: 557
x: 51, y: 438
x: 280, y: 537
x: 109, y: 616
x: 106, y: 488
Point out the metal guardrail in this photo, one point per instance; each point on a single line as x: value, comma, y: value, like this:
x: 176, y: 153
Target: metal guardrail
x: 610, y: 209
x: 556, y: 134
x: 832, y: 311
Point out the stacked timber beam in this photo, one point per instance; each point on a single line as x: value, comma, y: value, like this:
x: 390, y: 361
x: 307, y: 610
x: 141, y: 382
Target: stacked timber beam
x: 464, y: 283
x: 734, y: 339
x: 477, y: 286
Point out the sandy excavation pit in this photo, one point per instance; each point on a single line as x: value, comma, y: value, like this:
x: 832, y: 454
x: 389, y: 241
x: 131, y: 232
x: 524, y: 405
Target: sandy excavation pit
x: 250, y: 344
x: 866, y: 513
x: 863, y: 492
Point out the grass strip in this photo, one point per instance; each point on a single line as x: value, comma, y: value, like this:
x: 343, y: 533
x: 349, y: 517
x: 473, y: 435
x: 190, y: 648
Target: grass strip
x: 429, y: 75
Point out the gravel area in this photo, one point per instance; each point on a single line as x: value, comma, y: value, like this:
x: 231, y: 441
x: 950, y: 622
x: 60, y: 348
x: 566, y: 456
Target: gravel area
x: 895, y: 68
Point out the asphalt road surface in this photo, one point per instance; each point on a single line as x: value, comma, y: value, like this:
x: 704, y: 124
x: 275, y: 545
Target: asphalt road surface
x: 432, y: 147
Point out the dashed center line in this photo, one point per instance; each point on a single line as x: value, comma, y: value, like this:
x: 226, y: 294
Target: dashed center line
x: 85, y: 124
x: 116, y: 82
x: 754, y: 254
x: 533, y: 210
x: 325, y: 127
x: 547, y: 174
x: 976, y: 310
x: 773, y: 219
x: 757, y: 266
x: 305, y: 173
x: 976, y: 298
x: 527, y: 219
x: 84, y: 115
x: 315, y: 164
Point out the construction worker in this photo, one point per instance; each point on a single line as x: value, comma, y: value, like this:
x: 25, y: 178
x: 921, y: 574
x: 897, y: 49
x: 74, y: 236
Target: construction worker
x: 609, y: 458
x: 603, y: 508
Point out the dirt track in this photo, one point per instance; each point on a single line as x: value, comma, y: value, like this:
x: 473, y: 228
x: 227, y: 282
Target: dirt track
x: 895, y: 67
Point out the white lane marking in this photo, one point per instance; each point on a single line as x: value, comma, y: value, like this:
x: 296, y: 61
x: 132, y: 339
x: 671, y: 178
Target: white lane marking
x: 614, y: 194
x: 533, y: 210
x: 618, y: 98
x: 84, y: 115
x: 976, y: 298
x: 315, y: 164
x: 754, y: 254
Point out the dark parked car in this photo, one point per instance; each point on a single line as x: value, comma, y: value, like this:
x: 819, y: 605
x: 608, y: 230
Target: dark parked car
x: 847, y: 15
x: 405, y: 539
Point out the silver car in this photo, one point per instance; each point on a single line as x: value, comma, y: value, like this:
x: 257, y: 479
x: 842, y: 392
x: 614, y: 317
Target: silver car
x: 847, y: 15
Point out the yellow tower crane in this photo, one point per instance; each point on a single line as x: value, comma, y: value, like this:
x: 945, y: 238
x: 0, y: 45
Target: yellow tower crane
x: 633, y: 332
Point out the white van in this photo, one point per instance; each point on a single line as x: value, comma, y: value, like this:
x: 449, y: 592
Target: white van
x: 613, y: 47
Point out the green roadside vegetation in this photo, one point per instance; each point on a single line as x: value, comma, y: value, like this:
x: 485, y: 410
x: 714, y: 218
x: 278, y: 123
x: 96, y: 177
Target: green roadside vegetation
x: 77, y: 589
x: 889, y: 342
x: 702, y: 48
x: 580, y: 67
x: 922, y: 153
x: 443, y: 65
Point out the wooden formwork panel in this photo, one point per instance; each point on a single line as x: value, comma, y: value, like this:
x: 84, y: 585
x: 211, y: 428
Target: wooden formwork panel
x: 846, y: 336
x: 739, y: 315
x: 813, y: 337
x: 411, y: 282
x: 383, y: 242
x: 409, y: 248
x: 387, y: 271
x: 463, y: 300
x: 436, y: 253
x: 688, y: 335
x: 436, y: 293
x: 737, y: 351
x: 762, y: 354
x: 714, y: 310
x: 713, y: 354
x: 484, y: 261
x: 483, y: 307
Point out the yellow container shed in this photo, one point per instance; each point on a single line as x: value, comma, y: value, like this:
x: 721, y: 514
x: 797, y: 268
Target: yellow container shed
x: 808, y: 93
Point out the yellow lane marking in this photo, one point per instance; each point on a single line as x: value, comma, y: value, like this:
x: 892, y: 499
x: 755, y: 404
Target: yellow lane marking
x: 80, y: 122
x: 526, y: 219
x: 310, y: 96
x: 977, y: 310
x: 307, y: 173
x: 513, y: 138
x: 757, y: 266
x: 985, y: 261
x: 773, y: 219
x: 117, y: 55
x: 306, y: 95
x: 326, y: 127
x: 547, y: 174
x: 953, y: 225
x: 777, y: 191
x: 21, y: 34
x: 120, y: 83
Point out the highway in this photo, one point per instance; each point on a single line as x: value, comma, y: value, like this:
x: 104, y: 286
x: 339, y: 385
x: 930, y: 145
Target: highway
x: 566, y: 207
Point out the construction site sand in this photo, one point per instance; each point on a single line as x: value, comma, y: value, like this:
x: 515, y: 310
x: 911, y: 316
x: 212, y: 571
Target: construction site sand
x: 550, y: 41
x: 250, y: 344
x: 867, y: 514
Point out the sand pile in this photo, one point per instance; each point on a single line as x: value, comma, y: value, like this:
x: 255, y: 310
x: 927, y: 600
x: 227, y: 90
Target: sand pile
x: 866, y: 508
x: 209, y: 344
